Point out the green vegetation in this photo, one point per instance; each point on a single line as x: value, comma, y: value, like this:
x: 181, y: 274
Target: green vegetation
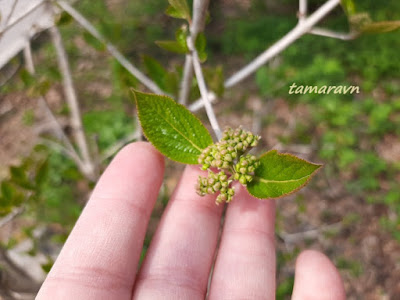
x: 352, y: 134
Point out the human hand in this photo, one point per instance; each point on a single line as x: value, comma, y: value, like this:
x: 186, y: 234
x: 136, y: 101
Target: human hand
x: 100, y: 258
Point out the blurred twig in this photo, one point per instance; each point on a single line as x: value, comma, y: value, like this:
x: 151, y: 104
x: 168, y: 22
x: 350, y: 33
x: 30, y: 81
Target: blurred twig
x: 292, y: 238
x: 88, y: 168
x: 303, y: 27
x: 333, y: 34
x: 152, y: 86
x: 197, y: 26
x: 11, y: 216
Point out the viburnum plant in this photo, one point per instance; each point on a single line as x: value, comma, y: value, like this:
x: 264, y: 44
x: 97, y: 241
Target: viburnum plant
x: 179, y: 135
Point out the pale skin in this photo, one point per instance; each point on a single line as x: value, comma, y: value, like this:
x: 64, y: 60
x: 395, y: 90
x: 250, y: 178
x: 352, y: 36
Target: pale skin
x: 100, y: 258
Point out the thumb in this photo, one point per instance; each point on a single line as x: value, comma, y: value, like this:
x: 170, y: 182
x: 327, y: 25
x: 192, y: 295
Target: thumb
x: 317, y: 278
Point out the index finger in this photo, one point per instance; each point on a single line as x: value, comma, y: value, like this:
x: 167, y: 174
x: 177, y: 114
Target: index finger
x: 99, y: 259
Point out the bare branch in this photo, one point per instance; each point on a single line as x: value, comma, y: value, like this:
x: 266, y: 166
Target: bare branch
x: 203, y: 90
x: 291, y: 238
x: 14, y: 5
x: 333, y: 34
x: 151, y: 85
x: 197, y: 26
x: 199, y: 17
x: 301, y: 29
x: 29, y: 59
x: 11, y: 216
x: 69, y: 148
x: 61, y: 148
x: 60, y: 132
x: 198, y: 104
x: 186, y: 82
x: 72, y: 101
x: 302, y: 10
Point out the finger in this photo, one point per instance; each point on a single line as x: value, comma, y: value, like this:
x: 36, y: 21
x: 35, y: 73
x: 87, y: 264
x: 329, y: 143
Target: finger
x: 99, y: 259
x: 316, y: 278
x: 179, y: 259
x: 245, y: 265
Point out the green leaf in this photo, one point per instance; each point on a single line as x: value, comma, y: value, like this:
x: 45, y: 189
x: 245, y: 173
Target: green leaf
x: 7, y: 190
x: 172, y: 46
x: 155, y: 71
x: 93, y: 42
x: 167, y: 81
x: 200, y: 45
x: 379, y: 27
x: 63, y: 19
x: 171, y: 128
x: 18, y: 177
x: 41, y: 173
x: 178, y: 9
x: 280, y: 175
x: 181, y: 37
x: 215, y: 79
x: 359, y: 21
x: 348, y: 7
x: 172, y: 12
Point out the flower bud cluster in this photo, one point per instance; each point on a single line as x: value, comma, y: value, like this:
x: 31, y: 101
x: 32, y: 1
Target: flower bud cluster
x: 221, y: 155
x: 216, y: 182
x: 228, y: 155
x: 244, y: 169
x: 240, y: 139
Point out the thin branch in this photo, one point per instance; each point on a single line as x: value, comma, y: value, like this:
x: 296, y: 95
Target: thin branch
x: 61, y: 148
x: 197, y: 26
x: 302, y: 10
x: 20, y: 17
x: 11, y: 216
x: 72, y: 101
x: 198, y: 104
x: 14, y: 5
x: 70, y: 150
x: 60, y: 132
x: 199, y: 17
x: 333, y: 34
x: 291, y: 238
x: 186, y: 82
x: 151, y: 85
x: 28, y: 59
x: 301, y: 29
x: 203, y: 90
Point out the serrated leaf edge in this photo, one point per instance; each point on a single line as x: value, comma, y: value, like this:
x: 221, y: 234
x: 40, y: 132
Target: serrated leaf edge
x: 295, y: 190
x: 144, y: 131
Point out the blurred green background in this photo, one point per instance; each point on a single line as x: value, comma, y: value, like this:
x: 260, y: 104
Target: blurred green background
x: 354, y: 201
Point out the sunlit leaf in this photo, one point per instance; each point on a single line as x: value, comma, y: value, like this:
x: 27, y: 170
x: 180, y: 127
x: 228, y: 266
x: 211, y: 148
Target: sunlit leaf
x: 171, y: 127
x: 181, y: 37
x: 280, y: 175
x: 349, y: 7
x: 178, y: 9
x: 155, y: 70
x: 379, y: 27
x: 172, y: 46
x: 200, y: 45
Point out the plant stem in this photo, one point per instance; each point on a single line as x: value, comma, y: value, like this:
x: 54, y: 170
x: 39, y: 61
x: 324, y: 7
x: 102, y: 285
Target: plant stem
x: 333, y: 34
x: 68, y: 149
x: 304, y: 27
x: 203, y: 90
x: 197, y: 25
x: 72, y: 101
x: 301, y: 29
x: 186, y: 82
x: 302, y: 10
